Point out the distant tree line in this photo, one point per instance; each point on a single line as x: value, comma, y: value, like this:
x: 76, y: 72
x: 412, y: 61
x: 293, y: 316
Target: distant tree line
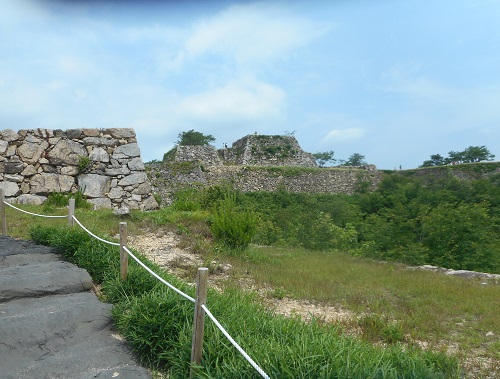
x: 469, y: 155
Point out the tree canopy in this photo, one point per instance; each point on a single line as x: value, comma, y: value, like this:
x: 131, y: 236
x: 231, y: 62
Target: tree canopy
x: 323, y: 157
x: 469, y: 155
x: 192, y: 138
x: 355, y: 159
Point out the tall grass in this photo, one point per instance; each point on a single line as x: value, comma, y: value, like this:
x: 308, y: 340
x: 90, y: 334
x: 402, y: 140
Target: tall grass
x: 157, y: 323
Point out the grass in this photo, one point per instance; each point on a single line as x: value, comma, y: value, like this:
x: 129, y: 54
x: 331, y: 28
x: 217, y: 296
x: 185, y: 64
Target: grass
x: 157, y: 323
x: 396, y: 308
x: 394, y: 303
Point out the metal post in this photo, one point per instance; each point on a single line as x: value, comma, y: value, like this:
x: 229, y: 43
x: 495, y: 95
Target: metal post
x: 71, y: 212
x: 123, y: 253
x: 199, y: 317
x: 2, y: 212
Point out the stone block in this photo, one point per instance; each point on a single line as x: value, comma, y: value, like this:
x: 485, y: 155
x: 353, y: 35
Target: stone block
x: 10, y: 189
x: 136, y: 164
x: 91, y: 132
x: 149, y: 204
x: 101, y: 203
x: 66, y: 152
x: 69, y: 170
x: 13, y: 167
x: 11, y: 150
x: 98, y: 154
x: 120, y: 132
x: 142, y: 189
x: 129, y: 150
x: 74, y: 133
x: 30, y: 199
x: 31, y: 152
x: 9, y: 135
x: 133, y: 179
x: 94, y: 185
x: 116, y: 193
x: 117, y: 171
x: 99, y: 141
x: 46, y: 183
x: 14, y: 178
x: 3, y: 146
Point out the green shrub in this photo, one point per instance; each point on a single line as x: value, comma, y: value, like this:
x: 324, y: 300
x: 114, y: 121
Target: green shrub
x: 188, y: 200
x: 231, y: 226
x: 84, y: 163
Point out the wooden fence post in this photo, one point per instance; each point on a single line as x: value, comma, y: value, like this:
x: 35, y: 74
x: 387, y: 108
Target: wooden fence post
x: 71, y: 212
x: 2, y: 212
x: 199, y: 317
x: 123, y: 253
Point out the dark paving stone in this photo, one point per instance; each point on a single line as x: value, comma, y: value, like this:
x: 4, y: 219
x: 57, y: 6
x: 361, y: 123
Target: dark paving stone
x: 51, y: 325
x: 42, y: 279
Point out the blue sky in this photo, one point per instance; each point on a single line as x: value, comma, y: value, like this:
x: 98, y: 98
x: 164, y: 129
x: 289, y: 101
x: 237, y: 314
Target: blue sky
x: 393, y: 80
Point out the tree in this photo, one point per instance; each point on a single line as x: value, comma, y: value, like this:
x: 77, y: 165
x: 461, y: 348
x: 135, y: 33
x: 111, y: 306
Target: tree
x: 324, y: 157
x: 355, y: 159
x: 436, y: 160
x: 471, y: 154
x: 192, y: 138
x: 477, y: 154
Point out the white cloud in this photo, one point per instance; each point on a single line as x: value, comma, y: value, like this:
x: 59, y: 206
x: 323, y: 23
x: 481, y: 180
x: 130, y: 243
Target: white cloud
x: 252, y: 33
x: 236, y: 100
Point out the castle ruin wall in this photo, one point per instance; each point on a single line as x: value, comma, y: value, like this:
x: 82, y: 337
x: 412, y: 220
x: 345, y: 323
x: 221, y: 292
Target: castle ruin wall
x: 104, y: 164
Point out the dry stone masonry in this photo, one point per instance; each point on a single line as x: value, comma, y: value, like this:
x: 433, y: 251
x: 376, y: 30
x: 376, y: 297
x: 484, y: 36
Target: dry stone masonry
x: 104, y: 164
x: 255, y: 163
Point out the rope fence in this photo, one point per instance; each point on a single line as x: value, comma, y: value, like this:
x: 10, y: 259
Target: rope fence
x: 33, y: 214
x: 201, y: 283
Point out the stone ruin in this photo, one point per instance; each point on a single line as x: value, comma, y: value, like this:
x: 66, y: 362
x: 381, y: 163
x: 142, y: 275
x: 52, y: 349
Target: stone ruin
x: 251, y: 150
x: 254, y: 163
x: 104, y: 164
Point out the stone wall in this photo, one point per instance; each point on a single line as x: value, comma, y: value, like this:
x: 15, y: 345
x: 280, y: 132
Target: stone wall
x: 252, y: 150
x: 104, y: 164
x: 166, y: 178
x: 268, y: 150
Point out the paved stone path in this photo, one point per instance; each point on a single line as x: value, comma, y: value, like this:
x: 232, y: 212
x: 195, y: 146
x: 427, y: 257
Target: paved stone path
x: 51, y: 324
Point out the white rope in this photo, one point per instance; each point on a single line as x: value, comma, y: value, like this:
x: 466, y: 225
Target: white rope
x: 93, y: 235
x: 235, y: 344
x: 33, y: 214
x: 158, y: 277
